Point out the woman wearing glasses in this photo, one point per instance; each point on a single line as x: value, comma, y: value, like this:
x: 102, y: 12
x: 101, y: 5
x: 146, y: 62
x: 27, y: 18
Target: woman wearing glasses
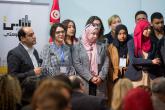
x: 56, y: 55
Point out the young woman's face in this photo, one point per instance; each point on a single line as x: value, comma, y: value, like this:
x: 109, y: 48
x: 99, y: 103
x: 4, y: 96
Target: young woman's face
x: 114, y: 23
x: 122, y: 35
x: 71, y: 29
x: 59, y: 34
x: 92, y: 37
x: 147, y: 32
x: 97, y: 23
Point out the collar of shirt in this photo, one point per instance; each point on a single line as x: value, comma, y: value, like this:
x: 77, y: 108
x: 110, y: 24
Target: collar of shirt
x: 29, y: 50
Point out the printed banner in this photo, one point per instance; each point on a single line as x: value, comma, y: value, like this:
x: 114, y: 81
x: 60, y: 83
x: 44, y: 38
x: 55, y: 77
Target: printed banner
x: 15, y: 15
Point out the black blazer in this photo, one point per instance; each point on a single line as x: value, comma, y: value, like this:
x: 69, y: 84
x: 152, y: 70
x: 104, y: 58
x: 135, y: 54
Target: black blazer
x: 82, y: 101
x: 20, y: 63
x: 137, y: 64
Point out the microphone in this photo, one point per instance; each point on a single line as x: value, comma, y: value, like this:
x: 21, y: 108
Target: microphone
x: 40, y: 62
x: 39, y: 65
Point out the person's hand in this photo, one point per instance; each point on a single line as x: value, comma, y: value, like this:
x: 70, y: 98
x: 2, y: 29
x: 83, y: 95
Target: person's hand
x: 98, y: 81
x: 93, y: 80
x: 37, y: 70
x: 156, y: 61
x: 124, y: 68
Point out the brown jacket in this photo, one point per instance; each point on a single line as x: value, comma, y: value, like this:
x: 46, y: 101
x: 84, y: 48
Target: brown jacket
x: 114, y: 69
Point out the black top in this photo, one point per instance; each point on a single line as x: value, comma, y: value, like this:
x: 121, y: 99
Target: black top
x: 109, y: 37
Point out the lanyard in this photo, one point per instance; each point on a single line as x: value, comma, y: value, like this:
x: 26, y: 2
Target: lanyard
x: 60, y: 53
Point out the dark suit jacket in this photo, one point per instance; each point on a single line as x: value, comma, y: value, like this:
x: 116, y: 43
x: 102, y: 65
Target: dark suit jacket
x: 137, y: 64
x: 20, y: 63
x: 82, y: 101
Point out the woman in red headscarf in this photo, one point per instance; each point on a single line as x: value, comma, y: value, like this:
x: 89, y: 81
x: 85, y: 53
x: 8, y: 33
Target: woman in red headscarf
x: 143, y: 56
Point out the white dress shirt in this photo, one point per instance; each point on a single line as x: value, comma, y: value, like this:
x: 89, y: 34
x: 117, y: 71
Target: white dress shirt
x: 30, y: 52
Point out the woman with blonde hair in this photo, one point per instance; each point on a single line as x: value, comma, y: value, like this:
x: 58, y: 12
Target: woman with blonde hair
x: 10, y: 93
x: 113, y: 21
x: 119, y: 91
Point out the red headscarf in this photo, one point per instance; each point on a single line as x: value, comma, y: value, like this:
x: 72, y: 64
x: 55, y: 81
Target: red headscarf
x: 140, y: 42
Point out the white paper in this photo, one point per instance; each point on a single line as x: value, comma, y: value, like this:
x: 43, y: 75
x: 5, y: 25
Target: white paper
x: 63, y: 69
x: 122, y: 62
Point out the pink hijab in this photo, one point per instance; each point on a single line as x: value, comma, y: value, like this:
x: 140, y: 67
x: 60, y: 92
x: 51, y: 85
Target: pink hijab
x: 91, y: 49
x: 141, y: 42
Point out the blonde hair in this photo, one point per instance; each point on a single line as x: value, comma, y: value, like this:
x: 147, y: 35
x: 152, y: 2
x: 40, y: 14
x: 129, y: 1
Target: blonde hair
x: 120, y: 89
x: 10, y: 91
x: 110, y: 19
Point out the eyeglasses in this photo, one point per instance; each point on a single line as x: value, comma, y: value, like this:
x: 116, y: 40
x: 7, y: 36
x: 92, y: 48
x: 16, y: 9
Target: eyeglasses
x: 58, y: 32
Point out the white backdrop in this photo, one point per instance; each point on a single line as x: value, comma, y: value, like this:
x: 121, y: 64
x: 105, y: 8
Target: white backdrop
x: 13, y: 14
x: 18, y: 0
x: 81, y: 10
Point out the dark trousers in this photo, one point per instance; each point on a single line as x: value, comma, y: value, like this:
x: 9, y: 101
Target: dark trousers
x: 92, y: 89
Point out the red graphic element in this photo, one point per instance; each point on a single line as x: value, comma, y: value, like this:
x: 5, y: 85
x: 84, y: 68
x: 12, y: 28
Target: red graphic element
x: 54, y: 14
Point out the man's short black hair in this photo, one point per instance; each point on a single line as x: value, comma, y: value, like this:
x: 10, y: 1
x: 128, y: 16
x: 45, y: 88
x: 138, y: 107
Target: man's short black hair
x: 156, y: 15
x: 21, y: 33
x: 140, y: 12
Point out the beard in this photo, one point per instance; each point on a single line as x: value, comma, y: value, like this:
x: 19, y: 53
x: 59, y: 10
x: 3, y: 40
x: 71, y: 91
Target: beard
x: 159, y: 30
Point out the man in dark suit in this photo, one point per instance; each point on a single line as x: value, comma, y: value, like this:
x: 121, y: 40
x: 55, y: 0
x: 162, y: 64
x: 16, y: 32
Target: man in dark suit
x: 23, y: 61
x: 82, y: 101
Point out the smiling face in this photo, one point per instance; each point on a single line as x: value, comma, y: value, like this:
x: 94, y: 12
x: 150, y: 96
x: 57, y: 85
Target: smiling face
x: 59, y: 35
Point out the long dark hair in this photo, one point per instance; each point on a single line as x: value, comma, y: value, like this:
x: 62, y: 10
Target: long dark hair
x: 90, y: 21
x: 65, y: 23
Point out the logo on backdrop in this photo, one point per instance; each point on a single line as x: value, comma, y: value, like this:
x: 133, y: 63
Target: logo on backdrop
x: 12, y: 28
